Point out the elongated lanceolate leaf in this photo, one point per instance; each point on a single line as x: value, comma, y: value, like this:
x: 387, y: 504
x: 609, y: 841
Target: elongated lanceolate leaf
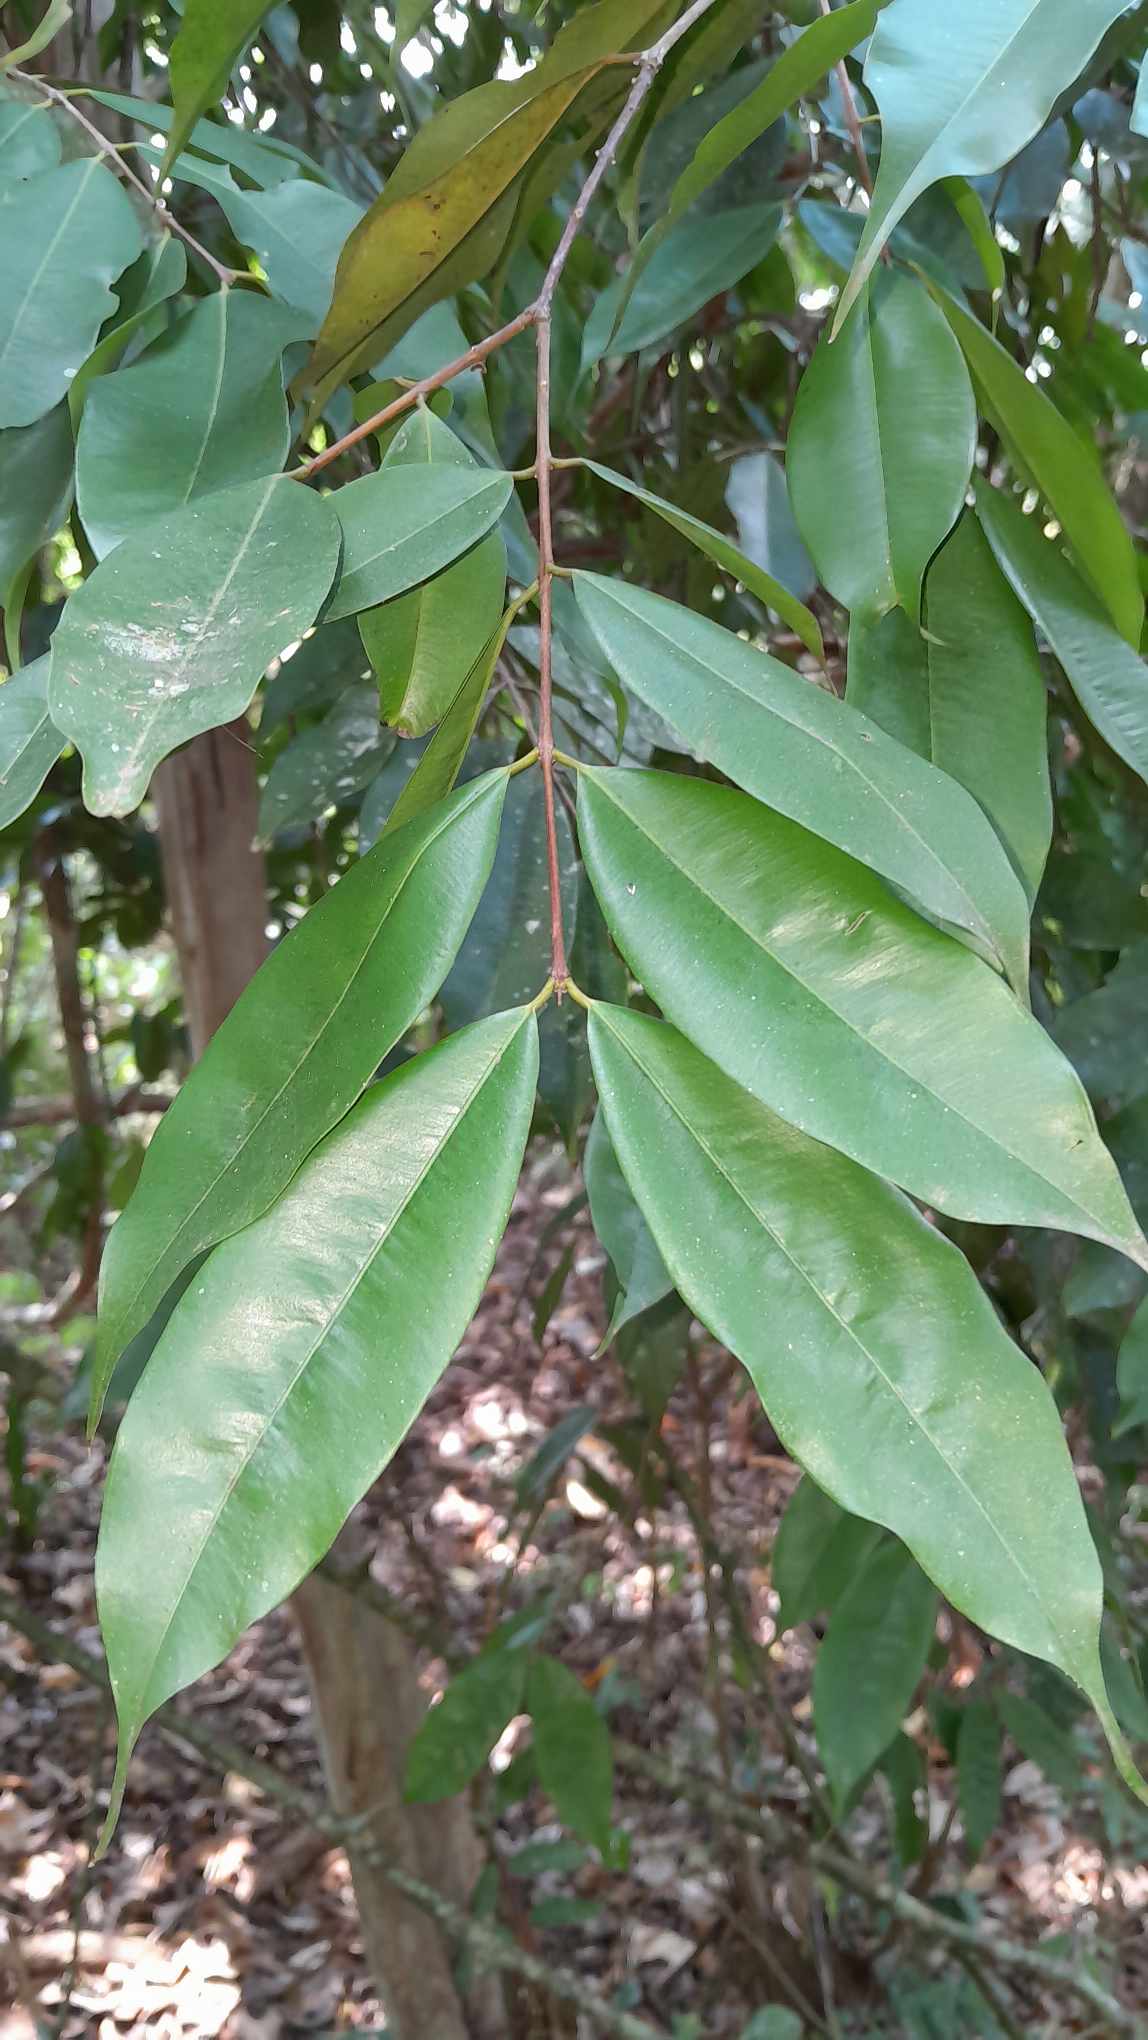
x: 818, y: 1548
x: 1108, y: 678
x: 700, y: 259
x: 298, y: 1359
x: 876, y: 1353
x: 35, y: 489
x: 572, y: 1749
x: 295, y: 1052
x: 426, y: 236
x: 29, y: 741
x: 969, y: 694
x: 173, y: 631
x: 404, y: 524
x: 881, y: 447
x: 724, y: 553
x: 212, y: 36
x: 793, y: 968
x: 861, y: 1694
x: 1063, y: 466
x: 65, y: 236
x: 823, y: 44
x: 202, y: 409
x: 817, y: 760
x: 423, y: 645
x: 637, y: 1264
x: 960, y: 93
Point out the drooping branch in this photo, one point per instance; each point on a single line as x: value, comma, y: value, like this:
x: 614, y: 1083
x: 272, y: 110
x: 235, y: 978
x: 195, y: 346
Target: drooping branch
x: 139, y: 184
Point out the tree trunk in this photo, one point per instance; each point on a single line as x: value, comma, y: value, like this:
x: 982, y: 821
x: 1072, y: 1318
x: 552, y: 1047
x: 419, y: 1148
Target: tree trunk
x: 363, y: 1673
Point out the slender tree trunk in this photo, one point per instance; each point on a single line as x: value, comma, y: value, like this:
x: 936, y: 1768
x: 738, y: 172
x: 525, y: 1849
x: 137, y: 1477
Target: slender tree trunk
x: 363, y: 1674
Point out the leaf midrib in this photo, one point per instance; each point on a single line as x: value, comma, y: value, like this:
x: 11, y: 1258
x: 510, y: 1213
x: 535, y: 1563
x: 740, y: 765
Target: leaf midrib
x: 446, y: 823
x: 45, y: 259
x: 883, y: 1053
x: 811, y: 1282
x: 977, y: 920
x: 322, y: 1333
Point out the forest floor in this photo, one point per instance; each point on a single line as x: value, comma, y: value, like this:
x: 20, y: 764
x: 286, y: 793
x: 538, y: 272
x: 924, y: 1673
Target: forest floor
x: 219, y: 1915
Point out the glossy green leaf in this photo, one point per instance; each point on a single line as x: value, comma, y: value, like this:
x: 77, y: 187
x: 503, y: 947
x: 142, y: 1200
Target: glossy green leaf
x: 868, y: 1666
x: 29, y: 741
x: 29, y: 136
x: 159, y: 274
x: 423, y: 645
x: 979, y: 1774
x: 507, y: 956
x: 1108, y: 678
x: 877, y: 1355
x: 65, y: 236
x: 815, y: 759
x: 35, y: 489
x: 970, y: 208
x: 1132, y: 1374
x: 1063, y: 466
x: 700, y: 259
x: 836, y: 1006
x: 453, y: 1742
x: 213, y: 35
x: 203, y: 408
x: 959, y: 97
x: 758, y: 496
x: 402, y: 525
x: 637, y: 1264
x: 881, y: 447
x: 438, y: 767
x: 571, y: 1749
x: 725, y: 554
x: 296, y: 1050
x: 818, y: 1549
x: 264, y: 159
x: 449, y: 204
x: 297, y: 1360
x: 326, y: 766
x: 173, y: 631
x: 968, y: 694
x: 294, y: 230
x: 797, y: 70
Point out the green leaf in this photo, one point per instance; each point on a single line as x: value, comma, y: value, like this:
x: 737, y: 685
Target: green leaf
x: 881, y: 447
x: 967, y: 105
x: 265, y: 159
x: 35, y: 490
x: 979, y: 1774
x: 640, y: 1269
x: 698, y: 261
x: 450, y: 202
x: 441, y: 762
x: 57, y: 13
x: 1105, y: 1034
x: 795, y: 73
x: 202, y: 409
x: 295, y: 1052
x: 173, y: 631
x: 1131, y: 1374
x: 1108, y: 678
x: 1062, y: 465
x: 868, y: 1666
x: 507, y: 956
x: 816, y: 1552
x: 906, y: 1775
x: 295, y: 231
x: 817, y: 760
x: 212, y: 37
x: 968, y: 694
x: 296, y: 1362
x: 65, y: 236
x: 423, y: 645
x: 29, y: 742
x: 758, y: 496
x: 877, y: 1355
x: 453, y: 1741
x: 29, y: 136
x: 1041, y: 1739
x: 409, y: 18
x: 325, y: 767
x: 836, y: 1006
x: 571, y: 1749
x: 401, y: 526
x: 159, y: 274
x: 725, y: 554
